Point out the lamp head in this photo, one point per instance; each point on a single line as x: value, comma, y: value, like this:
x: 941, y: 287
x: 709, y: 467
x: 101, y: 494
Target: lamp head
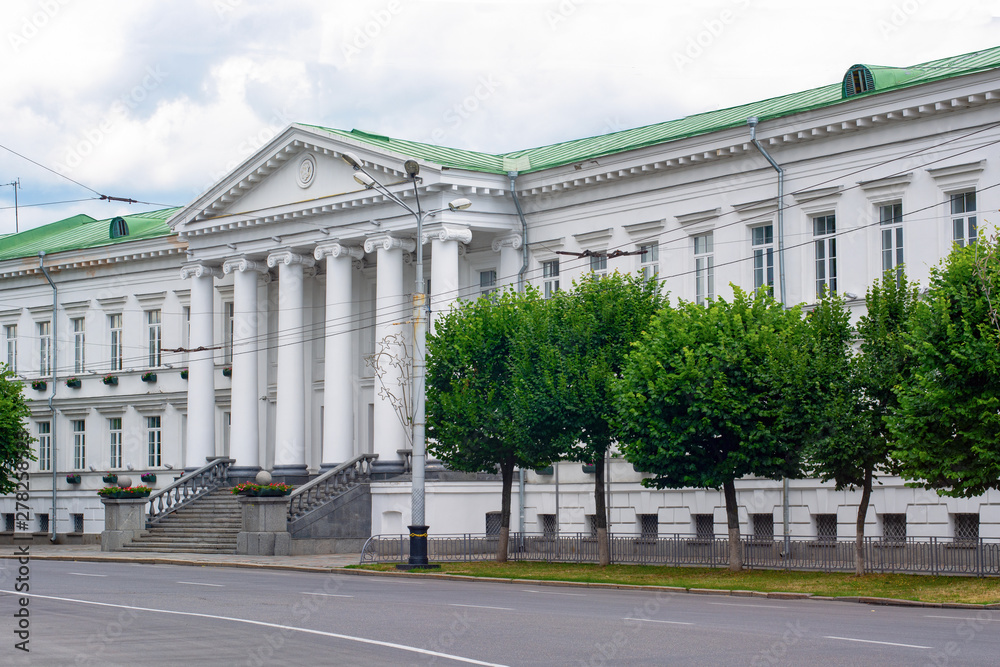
x: 459, y: 204
x: 351, y: 159
x: 364, y: 179
x: 411, y: 167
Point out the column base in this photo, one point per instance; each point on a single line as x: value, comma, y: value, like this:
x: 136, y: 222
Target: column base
x: 418, y: 550
x: 387, y: 469
x: 237, y: 475
x: 290, y: 474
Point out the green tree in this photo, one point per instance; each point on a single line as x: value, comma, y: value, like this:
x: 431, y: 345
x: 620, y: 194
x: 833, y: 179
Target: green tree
x: 470, y: 392
x: 714, y: 393
x: 571, y: 354
x: 948, y: 424
x: 15, y: 440
x: 854, y: 444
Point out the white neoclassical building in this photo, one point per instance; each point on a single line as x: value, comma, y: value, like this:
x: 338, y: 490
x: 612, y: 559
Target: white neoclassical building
x: 271, y: 308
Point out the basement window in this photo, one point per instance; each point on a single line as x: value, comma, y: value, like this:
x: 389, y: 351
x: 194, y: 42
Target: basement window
x: 858, y: 80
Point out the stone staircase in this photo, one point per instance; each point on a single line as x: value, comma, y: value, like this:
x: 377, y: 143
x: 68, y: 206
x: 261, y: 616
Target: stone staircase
x: 207, y: 525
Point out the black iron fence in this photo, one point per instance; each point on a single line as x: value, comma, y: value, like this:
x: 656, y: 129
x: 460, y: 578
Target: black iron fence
x: 977, y: 557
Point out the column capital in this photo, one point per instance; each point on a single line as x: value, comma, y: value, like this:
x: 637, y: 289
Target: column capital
x: 387, y: 241
x: 199, y: 270
x: 287, y: 257
x: 243, y: 265
x: 447, y: 233
x: 337, y: 249
x: 509, y: 241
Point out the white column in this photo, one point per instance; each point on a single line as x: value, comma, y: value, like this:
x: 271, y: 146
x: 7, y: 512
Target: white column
x: 244, y: 437
x: 447, y: 245
x: 290, y: 425
x: 391, y: 434
x: 338, y: 380
x: 201, y: 367
x: 511, y: 258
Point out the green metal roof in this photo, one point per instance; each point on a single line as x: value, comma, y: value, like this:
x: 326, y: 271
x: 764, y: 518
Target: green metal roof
x: 82, y: 231
x: 568, y: 152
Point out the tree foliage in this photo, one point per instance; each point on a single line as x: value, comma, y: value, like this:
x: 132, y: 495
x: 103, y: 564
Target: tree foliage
x: 714, y: 393
x: 15, y: 439
x: 948, y: 423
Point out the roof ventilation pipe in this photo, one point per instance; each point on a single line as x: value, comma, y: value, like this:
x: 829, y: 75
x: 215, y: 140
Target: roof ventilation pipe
x: 752, y: 122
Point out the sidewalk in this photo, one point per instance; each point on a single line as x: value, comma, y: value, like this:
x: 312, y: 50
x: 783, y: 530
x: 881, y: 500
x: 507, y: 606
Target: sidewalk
x: 93, y: 553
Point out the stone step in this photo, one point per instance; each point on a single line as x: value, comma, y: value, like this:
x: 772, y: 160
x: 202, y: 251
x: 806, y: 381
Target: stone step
x: 153, y: 544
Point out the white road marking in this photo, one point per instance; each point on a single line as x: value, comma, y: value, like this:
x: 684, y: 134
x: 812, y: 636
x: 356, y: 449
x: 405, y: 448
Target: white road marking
x: 198, y: 583
x: 758, y: 606
x: 871, y: 641
x: 328, y: 595
x: 479, y: 606
x: 291, y: 628
x: 963, y: 618
x: 578, y: 595
x: 85, y: 574
x: 653, y: 620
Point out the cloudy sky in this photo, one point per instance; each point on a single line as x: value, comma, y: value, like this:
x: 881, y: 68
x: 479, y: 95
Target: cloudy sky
x: 155, y: 100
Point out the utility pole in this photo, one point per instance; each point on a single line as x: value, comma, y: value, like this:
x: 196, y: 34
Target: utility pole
x: 16, y: 184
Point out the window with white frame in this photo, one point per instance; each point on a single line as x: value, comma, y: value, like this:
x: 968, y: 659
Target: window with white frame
x: 79, y: 345
x: 649, y: 261
x: 10, y: 336
x: 44, y: 445
x: 487, y: 282
x: 599, y: 265
x: 115, y: 325
x: 762, y: 244
x: 154, y: 333
x: 154, y: 437
x: 115, y: 441
x: 825, y: 242
x: 890, y: 220
x: 963, y: 217
x: 704, y: 268
x: 79, y: 444
x: 229, y: 311
x: 550, y: 277
x: 44, y: 348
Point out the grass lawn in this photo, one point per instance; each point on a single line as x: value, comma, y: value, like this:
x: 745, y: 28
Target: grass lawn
x: 900, y: 586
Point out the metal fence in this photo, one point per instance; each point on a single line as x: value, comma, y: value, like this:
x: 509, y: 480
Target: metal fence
x: 977, y: 557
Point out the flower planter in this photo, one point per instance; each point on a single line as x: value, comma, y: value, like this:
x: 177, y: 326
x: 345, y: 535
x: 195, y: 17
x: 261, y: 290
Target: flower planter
x: 184, y: 374
x: 39, y: 385
x: 110, y: 479
x: 227, y: 372
x: 148, y: 377
x: 148, y: 477
x: 548, y: 470
x: 589, y: 468
x: 124, y: 494
x: 73, y: 383
x: 73, y: 479
x: 261, y: 490
x: 111, y: 380
x: 269, y: 493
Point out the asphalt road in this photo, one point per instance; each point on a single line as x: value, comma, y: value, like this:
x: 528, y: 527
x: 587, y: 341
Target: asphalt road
x: 116, y: 614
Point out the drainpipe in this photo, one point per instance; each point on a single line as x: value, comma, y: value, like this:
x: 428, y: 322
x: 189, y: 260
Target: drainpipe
x: 512, y: 175
x: 752, y: 122
x: 55, y: 365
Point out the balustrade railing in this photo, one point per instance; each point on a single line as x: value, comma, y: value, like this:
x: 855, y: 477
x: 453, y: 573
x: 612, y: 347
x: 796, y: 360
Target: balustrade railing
x: 328, y: 485
x: 191, y: 486
x: 977, y: 557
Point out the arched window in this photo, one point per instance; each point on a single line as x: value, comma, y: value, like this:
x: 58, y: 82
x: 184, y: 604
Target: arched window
x: 858, y: 80
x: 119, y: 228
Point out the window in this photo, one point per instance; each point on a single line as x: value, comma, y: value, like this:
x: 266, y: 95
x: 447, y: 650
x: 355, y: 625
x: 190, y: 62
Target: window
x: 890, y: 218
x: 8, y: 522
x: 10, y: 334
x: 963, y: 217
x: 44, y: 348
x: 77, y: 522
x: 858, y: 80
x: 599, y: 265
x: 44, y: 446
x: 762, y: 243
x: 229, y: 309
x: 649, y: 526
x: 487, y: 282
x: 155, y: 439
x: 649, y: 261
x: 592, y: 525
x: 824, y: 230
x: 704, y: 526
x: 154, y: 329
x: 550, y: 277
x: 704, y: 268
x: 966, y: 527
x: 763, y: 527
x: 187, y: 326
x: 493, y: 523
x: 79, y: 444
x: 115, y: 440
x: 826, y: 527
x: 548, y: 522
x: 115, y: 324
x: 894, y: 528
x: 43, y: 523
x: 79, y: 345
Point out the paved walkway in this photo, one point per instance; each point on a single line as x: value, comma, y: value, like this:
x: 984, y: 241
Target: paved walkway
x: 93, y: 553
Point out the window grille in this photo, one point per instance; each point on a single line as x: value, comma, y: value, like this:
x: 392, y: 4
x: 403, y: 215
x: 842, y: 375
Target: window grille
x: 77, y: 523
x: 826, y: 527
x: 763, y: 527
x: 963, y: 220
x: 8, y: 522
x: 548, y: 522
x: 704, y: 526
x: 493, y: 523
x: 649, y: 526
x: 894, y: 528
x: 966, y: 527
x: 43, y: 523
x: 592, y: 525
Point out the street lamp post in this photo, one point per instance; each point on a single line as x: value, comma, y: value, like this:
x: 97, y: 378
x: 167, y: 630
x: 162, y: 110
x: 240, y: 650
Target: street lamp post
x: 421, y: 312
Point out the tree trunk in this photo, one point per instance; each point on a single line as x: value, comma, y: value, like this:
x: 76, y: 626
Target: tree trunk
x: 507, y: 480
x: 603, y: 546
x: 733, y: 518
x: 859, y: 540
